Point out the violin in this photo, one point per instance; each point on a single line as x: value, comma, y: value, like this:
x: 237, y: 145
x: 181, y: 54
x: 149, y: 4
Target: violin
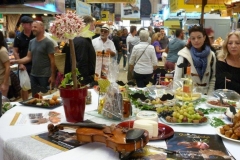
x: 122, y: 140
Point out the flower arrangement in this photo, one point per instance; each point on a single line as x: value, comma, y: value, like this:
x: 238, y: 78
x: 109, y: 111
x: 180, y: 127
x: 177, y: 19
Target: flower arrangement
x: 65, y: 28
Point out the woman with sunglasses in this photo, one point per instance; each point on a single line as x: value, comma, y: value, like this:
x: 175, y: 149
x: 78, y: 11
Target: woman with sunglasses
x: 200, y: 58
x: 228, y: 64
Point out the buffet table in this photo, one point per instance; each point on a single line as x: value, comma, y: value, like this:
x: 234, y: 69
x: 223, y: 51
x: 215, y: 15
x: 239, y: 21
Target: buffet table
x: 16, y: 142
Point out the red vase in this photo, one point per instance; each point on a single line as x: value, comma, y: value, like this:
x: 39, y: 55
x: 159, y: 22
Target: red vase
x: 74, y: 101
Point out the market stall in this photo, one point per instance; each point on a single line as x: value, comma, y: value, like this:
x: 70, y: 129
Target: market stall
x: 17, y: 134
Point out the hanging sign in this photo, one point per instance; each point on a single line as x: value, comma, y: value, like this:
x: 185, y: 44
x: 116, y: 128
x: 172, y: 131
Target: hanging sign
x: 82, y: 8
x: 131, y: 11
x: 105, y: 15
x: 176, y: 5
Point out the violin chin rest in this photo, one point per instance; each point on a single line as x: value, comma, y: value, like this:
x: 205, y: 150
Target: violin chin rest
x: 134, y: 135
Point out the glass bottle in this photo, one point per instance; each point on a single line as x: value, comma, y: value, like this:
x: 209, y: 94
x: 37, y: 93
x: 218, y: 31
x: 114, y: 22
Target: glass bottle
x: 187, y: 86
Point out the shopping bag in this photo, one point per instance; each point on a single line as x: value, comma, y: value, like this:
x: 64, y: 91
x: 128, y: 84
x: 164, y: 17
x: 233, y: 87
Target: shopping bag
x: 24, y: 80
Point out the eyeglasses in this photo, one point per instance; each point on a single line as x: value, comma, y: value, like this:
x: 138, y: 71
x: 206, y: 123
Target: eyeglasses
x: 103, y: 30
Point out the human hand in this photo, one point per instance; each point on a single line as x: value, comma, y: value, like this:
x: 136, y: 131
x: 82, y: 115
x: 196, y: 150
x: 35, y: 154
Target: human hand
x: 12, y: 62
x: 108, y: 50
x: 22, y: 67
x: 4, y: 88
x: 51, y: 80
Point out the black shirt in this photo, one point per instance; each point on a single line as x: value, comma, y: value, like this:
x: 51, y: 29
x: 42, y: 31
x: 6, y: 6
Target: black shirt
x: 232, y: 73
x: 85, y: 57
x: 21, y: 42
x: 116, y: 42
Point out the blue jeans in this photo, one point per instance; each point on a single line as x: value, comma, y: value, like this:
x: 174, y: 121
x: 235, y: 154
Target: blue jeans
x: 39, y: 84
x: 124, y: 55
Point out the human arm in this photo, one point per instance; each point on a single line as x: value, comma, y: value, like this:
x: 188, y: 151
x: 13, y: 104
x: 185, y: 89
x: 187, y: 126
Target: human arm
x: 5, y: 84
x: 166, y: 50
x: 127, y: 44
x: 132, y: 59
x: 16, y: 52
x: 111, y: 49
x: 153, y: 58
x: 53, y: 69
x: 6, y: 64
x: 178, y: 74
x: 24, y: 60
x: 213, y: 75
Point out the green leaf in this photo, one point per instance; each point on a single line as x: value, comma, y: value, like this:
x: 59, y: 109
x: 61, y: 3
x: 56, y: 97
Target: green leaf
x: 86, y: 33
x: 68, y: 79
x: 216, y: 122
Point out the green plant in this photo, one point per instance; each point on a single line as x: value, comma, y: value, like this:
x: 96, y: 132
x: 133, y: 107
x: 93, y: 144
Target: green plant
x: 69, y: 81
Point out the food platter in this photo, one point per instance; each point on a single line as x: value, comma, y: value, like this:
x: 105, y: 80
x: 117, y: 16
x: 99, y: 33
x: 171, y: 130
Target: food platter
x: 223, y: 136
x: 195, y: 96
x: 196, y: 124
x: 215, y: 103
x: 164, y: 131
x: 26, y: 103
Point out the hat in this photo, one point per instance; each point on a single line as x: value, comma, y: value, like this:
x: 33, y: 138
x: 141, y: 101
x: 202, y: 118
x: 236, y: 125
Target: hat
x: 105, y: 26
x: 26, y: 19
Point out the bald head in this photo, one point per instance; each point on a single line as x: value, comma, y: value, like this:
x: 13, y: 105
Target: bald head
x: 38, y: 28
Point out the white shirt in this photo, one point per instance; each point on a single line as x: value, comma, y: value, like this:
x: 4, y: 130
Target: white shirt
x: 99, y: 45
x: 134, y: 40
x: 149, y: 59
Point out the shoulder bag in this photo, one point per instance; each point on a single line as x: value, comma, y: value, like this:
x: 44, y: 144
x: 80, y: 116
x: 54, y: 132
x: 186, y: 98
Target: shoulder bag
x: 141, y: 55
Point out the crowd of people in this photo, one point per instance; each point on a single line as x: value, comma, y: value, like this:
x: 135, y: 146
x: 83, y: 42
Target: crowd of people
x: 141, y: 50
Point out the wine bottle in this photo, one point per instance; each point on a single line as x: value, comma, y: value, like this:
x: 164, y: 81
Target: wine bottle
x: 187, y: 86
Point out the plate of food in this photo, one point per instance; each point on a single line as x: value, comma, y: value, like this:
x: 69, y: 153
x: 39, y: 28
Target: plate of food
x: 216, y: 103
x: 43, y: 103
x: 226, y: 132
x: 193, y: 97
x: 164, y: 131
x: 193, y: 122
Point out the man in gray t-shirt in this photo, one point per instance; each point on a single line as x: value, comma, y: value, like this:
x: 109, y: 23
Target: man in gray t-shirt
x: 41, y: 53
x: 40, y: 50
x: 173, y: 48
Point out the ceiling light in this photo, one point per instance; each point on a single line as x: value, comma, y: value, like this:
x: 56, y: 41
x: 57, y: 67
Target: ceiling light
x: 212, y: 9
x: 45, y: 14
x: 33, y: 16
x: 197, y: 6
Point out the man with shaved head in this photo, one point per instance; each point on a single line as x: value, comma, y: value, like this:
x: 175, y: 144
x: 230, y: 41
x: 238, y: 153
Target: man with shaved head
x: 41, y: 53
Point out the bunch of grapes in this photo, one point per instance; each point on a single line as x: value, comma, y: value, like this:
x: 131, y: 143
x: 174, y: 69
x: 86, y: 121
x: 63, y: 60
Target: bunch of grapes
x: 181, y: 114
x: 164, y: 114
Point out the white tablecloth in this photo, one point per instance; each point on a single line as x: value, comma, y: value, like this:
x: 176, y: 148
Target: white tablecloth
x: 16, y: 143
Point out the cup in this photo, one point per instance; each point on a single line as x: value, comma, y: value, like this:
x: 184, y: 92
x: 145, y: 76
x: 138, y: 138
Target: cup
x: 127, y: 108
